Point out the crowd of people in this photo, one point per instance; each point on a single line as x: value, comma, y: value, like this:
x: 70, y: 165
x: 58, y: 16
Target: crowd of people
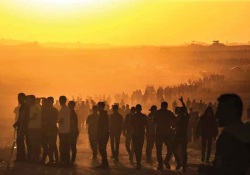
x: 40, y: 121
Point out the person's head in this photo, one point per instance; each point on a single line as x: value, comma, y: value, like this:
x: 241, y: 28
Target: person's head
x: 95, y: 109
x: 101, y: 106
x: 127, y: 107
x: 71, y: 105
x: 38, y: 101
x: 209, y: 111
x: 132, y: 110
x: 164, y: 105
x: 21, y: 98
x: 229, y: 109
x: 62, y: 100
x: 153, y: 109
x: 50, y: 101
x: 115, y: 108
x: 138, y: 108
x: 191, y: 110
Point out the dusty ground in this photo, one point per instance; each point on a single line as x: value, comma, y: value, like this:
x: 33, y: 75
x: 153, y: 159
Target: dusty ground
x: 84, y: 164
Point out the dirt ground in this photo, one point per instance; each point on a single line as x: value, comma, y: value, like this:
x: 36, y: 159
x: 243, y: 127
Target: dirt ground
x: 85, y: 165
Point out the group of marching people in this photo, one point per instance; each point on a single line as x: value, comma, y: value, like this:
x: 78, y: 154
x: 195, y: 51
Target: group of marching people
x: 39, y: 125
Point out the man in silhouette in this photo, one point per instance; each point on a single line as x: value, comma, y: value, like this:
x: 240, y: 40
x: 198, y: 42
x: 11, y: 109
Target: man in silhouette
x: 150, y: 133
x: 233, y: 144
x: 64, y: 132
x: 165, y: 121
x: 50, y: 131
x: 194, y: 118
x: 138, y: 123
x: 174, y: 105
x: 92, y: 130
x: 116, y: 124
x: 180, y: 137
x: 103, y: 134
x: 22, y: 130
x: 34, y: 128
x: 74, y: 132
x: 127, y: 132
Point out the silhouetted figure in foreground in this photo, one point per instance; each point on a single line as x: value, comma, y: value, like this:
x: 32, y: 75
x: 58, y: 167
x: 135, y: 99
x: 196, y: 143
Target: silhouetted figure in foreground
x: 49, y: 131
x: 233, y: 144
x: 34, y: 128
x: 64, y: 132
x: 180, y: 137
x: 165, y: 121
x: 103, y: 134
x: 208, y: 130
x: 138, y: 123
x: 22, y: 130
x: 150, y: 133
x: 92, y: 131
x: 116, y: 124
x: 127, y: 132
x: 74, y: 132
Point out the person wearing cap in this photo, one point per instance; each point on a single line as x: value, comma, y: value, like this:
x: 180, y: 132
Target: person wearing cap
x: 150, y: 133
x: 138, y: 123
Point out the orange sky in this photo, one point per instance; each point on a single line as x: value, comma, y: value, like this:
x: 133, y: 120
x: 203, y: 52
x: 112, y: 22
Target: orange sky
x: 125, y: 22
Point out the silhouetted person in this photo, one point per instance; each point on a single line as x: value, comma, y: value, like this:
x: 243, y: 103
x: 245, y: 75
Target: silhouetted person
x: 233, y: 144
x: 103, y: 134
x: 92, y: 130
x: 180, y: 139
x: 16, y: 112
x: 49, y: 131
x: 174, y: 105
x: 188, y: 103
x: 22, y: 130
x: 150, y: 129
x: 115, y: 127
x: 194, y: 118
x: 164, y: 120
x: 208, y: 130
x: 127, y: 131
x: 34, y: 128
x: 74, y: 132
x: 138, y: 123
x: 64, y: 131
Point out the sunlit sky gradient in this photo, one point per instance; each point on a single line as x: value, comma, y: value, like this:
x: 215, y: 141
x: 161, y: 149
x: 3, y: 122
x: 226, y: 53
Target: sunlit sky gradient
x: 125, y: 22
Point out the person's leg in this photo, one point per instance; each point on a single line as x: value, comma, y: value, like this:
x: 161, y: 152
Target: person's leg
x: 73, y: 148
x: 174, y: 149
x: 140, y: 147
x: 209, y: 147
x: 172, y: 146
x: 44, y: 142
x: 203, y: 143
x: 55, y: 148
x: 117, y: 145
x: 127, y: 143
x: 52, y: 146
x: 28, y: 145
x: 20, y: 155
x: 150, y: 146
x: 37, y: 145
x: 61, y: 148
x: 112, y: 140
x: 159, y: 144
x: 184, y: 153
x: 67, y: 148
